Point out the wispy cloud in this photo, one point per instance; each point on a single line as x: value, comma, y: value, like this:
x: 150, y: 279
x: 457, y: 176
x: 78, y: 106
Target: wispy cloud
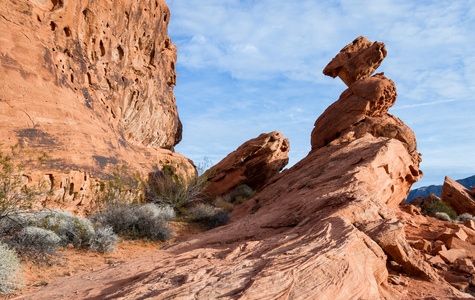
x: 246, y: 67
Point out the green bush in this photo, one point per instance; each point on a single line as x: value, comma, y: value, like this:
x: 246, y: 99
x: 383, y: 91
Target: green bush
x: 10, y: 279
x: 167, y: 188
x: 119, y: 189
x: 208, y: 215
x: 439, y: 206
x: 16, y: 192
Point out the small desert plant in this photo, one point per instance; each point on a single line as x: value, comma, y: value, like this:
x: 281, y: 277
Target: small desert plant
x: 71, y: 229
x: 208, y: 215
x: 37, y: 244
x: 16, y: 193
x: 120, y: 188
x: 465, y: 217
x: 136, y: 221
x: 10, y: 279
x: 104, y: 240
x: 442, y: 216
x: 224, y: 202
x: 439, y: 206
x: 167, y: 187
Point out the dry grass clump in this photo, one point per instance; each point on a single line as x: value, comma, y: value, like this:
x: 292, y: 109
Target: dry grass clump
x: 209, y: 215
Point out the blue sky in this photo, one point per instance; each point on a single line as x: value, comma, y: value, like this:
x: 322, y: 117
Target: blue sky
x: 248, y: 67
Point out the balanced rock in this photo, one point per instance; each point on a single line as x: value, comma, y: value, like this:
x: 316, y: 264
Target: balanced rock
x: 89, y: 82
x: 458, y: 197
x: 356, y: 61
x: 253, y: 163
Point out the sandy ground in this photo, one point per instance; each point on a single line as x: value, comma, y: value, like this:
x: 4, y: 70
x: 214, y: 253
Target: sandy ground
x: 76, y: 262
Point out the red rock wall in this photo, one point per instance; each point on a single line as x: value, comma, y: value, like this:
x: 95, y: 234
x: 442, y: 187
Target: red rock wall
x: 90, y: 83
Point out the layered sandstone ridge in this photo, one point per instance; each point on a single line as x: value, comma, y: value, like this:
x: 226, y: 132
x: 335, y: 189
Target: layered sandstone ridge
x: 324, y: 229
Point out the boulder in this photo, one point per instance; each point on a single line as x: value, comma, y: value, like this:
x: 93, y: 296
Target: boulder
x: 253, y: 164
x: 451, y: 255
x: 458, y: 197
x: 357, y: 60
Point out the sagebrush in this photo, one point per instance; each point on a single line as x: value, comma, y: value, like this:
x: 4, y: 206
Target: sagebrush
x: 10, y: 278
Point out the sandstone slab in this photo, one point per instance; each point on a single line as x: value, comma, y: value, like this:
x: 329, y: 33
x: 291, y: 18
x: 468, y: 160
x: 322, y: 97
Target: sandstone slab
x: 253, y: 164
x: 458, y: 197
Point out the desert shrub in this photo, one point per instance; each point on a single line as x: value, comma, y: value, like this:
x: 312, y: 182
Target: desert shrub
x: 37, y: 244
x: 10, y: 279
x: 208, y: 215
x: 241, y: 194
x: 439, y: 206
x: 465, y: 217
x: 167, y: 187
x: 119, y: 189
x: 443, y: 216
x: 166, y: 213
x: 16, y: 193
x: 224, y: 202
x: 135, y: 221
x: 71, y: 229
x: 104, y: 240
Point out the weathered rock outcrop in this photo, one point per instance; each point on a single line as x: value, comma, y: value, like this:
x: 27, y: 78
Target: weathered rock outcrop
x: 299, y: 238
x: 253, y: 163
x: 458, y: 197
x: 88, y: 82
x: 356, y: 61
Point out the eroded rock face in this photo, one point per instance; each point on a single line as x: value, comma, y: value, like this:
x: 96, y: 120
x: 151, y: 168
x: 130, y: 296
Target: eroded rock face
x: 458, y: 197
x: 88, y: 82
x: 91, y: 84
x: 253, y: 163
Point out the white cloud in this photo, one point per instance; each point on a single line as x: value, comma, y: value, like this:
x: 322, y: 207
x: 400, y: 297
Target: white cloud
x: 247, y: 67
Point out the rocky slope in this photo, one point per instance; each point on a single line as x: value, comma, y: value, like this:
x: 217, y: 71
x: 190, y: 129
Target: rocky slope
x: 326, y: 228
x: 90, y: 83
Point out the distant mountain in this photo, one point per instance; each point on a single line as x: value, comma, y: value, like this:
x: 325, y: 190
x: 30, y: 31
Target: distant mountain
x: 437, y: 189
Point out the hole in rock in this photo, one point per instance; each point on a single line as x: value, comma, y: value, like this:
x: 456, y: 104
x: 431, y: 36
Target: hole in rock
x: 53, y: 25
x: 72, y: 78
x: 89, y: 80
x: 67, y: 31
x: 121, y: 52
x: 165, y: 18
x: 71, y: 189
x: 38, y: 18
x: 103, y: 50
x: 172, y: 65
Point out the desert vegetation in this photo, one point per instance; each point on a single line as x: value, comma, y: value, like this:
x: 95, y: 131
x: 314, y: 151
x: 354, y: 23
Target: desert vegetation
x: 127, y: 207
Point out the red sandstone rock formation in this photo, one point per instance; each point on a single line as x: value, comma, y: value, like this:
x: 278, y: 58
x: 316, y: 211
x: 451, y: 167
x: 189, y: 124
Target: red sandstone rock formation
x: 315, y: 231
x: 458, y: 197
x: 90, y: 83
x: 253, y: 163
x: 356, y: 61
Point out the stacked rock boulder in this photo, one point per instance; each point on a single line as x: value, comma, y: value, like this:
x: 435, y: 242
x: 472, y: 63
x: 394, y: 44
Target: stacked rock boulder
x: 324, y: 229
